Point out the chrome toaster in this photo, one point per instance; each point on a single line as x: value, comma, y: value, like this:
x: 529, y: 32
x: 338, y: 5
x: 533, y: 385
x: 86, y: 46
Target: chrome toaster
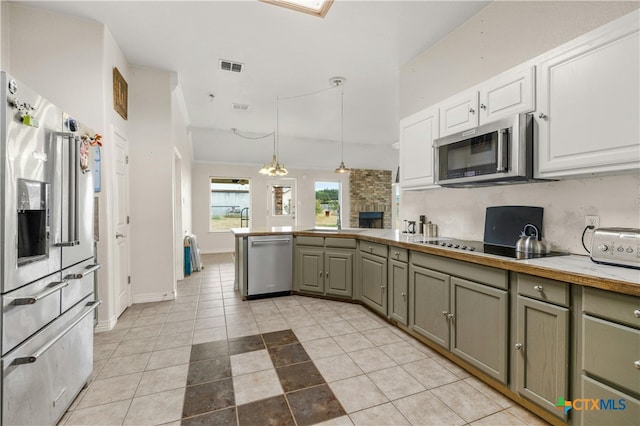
x: 616, y: 246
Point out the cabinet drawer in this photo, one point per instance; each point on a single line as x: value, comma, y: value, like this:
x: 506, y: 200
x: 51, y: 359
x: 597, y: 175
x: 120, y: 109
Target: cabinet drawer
x: 373, y: 248
x: 310, y: 241
x: 479, y: 273
x: 340, y: 242
x: 615, y: 413
x: 399, y: 254
x: 607, y: 304
x: 611, y: 352
x: 544, y: 289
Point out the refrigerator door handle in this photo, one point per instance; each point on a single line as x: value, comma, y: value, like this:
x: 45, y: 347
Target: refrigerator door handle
x: 91, y: 306
x: 72, y: 183
x: 87, y: 270
x: 30, y: 300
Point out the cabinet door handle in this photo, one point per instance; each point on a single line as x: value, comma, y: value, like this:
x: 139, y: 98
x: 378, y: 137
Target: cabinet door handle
x: 445, y: 313
x: 404, y: 295
x: 636, y: 313
x: 397, y: 254
x: 320, y: 274
x: 519, y: 346
x: 472, y: 111
x: 450, y: 316
x: 327, y: 275
x: 538, y: 288
x: 483, y: 106
x: 371, y: 249
x: 637, y: 364
x: 542, y: 115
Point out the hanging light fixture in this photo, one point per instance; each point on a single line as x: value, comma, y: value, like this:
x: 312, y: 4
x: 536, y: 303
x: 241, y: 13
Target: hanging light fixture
x: 275, y: 168
x: 339, y: 81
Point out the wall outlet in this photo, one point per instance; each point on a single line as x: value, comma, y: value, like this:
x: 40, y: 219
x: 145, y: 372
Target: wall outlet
x: 592, y: 221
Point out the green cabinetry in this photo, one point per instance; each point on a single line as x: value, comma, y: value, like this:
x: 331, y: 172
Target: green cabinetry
x: 610, y: 362
x: 324, y: 265
x: 462, y: 307
x: 372, y: 276
x: 541, y: 350
x: 398, y: 297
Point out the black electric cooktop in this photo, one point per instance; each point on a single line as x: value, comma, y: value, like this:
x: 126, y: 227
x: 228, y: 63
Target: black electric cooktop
x: 481, y: 247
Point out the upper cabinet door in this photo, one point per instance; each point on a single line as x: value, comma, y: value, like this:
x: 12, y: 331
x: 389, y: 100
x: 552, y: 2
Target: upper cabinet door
x: 459, y: 113
x: 588, y: 112
x: 508, y: 94
x: 417, y: 133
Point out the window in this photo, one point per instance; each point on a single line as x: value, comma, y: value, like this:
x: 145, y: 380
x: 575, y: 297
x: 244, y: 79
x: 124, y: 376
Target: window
x: 317, y: 8
x: 327, y: 204
x: 230, y: 201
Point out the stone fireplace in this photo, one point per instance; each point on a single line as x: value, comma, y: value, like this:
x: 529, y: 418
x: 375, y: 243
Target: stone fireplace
x: 370, y: 194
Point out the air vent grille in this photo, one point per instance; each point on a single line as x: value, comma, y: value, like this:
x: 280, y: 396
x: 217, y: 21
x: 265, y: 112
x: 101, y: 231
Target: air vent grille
x: 230, y: 66
x: 240, y: 107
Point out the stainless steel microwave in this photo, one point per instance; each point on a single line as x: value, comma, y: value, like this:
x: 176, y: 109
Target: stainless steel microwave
x: 495, y: 153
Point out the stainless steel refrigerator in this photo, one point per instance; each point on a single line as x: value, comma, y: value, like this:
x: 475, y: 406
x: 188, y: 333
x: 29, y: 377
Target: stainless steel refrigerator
x: 47, y: 256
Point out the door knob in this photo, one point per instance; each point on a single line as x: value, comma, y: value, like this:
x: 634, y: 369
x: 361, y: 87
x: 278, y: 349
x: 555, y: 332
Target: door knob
x: 119, y: 235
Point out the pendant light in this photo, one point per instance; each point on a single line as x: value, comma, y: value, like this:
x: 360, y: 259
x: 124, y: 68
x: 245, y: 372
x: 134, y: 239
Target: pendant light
x: 339, y: 81
x: 275, y: 168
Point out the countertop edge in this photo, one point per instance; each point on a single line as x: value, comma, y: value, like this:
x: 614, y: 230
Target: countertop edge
x: 582, y: 279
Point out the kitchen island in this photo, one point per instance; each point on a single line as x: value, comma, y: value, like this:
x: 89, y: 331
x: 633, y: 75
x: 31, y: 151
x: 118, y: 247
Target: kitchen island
x: 536, y: 330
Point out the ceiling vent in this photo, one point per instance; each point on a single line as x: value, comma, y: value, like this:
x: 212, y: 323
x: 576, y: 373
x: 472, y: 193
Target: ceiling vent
x: 230, y: 66
x: 240, y: 107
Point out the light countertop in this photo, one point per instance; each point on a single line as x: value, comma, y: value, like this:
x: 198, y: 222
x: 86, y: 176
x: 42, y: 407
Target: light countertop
x: 571, y: 268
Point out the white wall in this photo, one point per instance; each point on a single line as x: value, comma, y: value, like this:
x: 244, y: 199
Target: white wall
x: 79, y: 79
x: 501, y: 36
x: 220, y: 242
x: 152, y: 154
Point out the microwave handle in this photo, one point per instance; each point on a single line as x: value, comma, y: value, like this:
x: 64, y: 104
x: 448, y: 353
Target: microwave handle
x: 501, y: 149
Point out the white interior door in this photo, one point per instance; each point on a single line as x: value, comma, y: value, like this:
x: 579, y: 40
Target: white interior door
x: 281, y: 202
x: 121, y: 197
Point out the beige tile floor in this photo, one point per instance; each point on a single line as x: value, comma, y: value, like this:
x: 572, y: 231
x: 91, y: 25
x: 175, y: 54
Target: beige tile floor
x: 379, y: 374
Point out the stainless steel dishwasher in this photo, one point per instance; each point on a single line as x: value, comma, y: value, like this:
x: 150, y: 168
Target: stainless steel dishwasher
x: 270, y: 264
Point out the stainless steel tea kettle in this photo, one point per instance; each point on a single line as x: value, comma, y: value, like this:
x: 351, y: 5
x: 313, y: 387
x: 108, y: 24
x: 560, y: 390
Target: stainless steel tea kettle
x: 532, y: 243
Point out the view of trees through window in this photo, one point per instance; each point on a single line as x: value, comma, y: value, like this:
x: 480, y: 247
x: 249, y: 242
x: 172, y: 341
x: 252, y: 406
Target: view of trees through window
x: 229, y: 204
x: 327, y: 203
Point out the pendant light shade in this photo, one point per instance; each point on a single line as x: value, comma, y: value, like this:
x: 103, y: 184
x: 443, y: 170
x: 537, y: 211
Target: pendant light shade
x: 341, y: 168
x: 275, y: 168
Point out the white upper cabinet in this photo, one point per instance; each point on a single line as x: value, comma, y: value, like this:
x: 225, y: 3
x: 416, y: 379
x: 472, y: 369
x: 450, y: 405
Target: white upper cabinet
x: 417, y: 133
x: 459, y: 113
x: 588, y: 106
x: 507, y: 94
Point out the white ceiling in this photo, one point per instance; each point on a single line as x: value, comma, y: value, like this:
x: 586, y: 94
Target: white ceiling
x: 285, y: 53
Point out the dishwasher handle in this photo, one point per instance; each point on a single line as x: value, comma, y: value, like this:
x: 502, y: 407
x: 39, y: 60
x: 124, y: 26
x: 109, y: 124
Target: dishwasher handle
x: 274, y: 240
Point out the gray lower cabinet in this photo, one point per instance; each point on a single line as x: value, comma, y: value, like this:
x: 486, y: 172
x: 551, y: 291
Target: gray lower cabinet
x: 373, y: 281
x: 541, y: 350
x: 324, y: 266
x: 610, y: 362
x: 398, y: 290
x: 468, y: 318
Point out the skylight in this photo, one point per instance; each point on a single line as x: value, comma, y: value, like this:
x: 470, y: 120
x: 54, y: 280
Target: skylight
x: 317, y: 8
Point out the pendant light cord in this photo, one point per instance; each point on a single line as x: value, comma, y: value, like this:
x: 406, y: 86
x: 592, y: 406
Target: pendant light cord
x: 341, y: 124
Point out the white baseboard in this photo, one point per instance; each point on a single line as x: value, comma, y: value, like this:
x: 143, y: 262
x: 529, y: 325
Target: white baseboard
x: 107, y: 325
x: 152, y: 297
x: 216, y: 251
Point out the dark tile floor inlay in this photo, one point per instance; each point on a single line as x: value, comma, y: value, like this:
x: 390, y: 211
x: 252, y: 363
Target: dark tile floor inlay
x: 299, y: 376
x: 270, y: 411
x: 314, y: 405
x: 289, y: 354
x: 209, y: 397
x: 241, y: 345
x: 206, y: 397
